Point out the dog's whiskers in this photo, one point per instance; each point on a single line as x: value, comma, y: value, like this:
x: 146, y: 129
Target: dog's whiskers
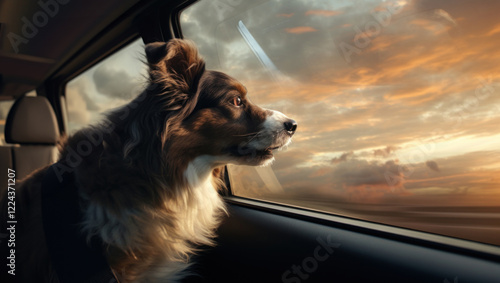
x: 252, y: 135
x: 256, y: 135
x: 246, y: 135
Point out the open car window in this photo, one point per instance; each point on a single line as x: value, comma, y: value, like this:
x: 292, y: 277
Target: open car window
x: 109, y: 84
x: 397, y: 103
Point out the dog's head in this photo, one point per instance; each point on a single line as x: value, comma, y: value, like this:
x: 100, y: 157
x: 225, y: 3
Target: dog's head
x: 208, y: 113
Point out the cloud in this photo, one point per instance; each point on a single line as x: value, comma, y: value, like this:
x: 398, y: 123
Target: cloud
x: 494, y: 30
x: 433, y: 165
x: 324, y: 13
x: 78, y: 105
x: 115, y: 83
x: 352, y: 179
x: 342, y: 158
x: 384, y: 152
x: 299, y: 30
x: 358, y: 172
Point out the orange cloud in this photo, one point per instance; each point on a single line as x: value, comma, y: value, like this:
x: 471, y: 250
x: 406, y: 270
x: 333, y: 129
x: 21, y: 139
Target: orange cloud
x: 494, y: 30
x: 416, y: 92
x: 384, y: 42
x: 324, y: 13
x: 385, y: 152
x: 285, y: 15
x: 299, y: 30
x: 432, y: 26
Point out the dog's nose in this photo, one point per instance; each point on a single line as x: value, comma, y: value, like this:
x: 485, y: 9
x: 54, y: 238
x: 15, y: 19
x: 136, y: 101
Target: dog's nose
x: 290, y: 126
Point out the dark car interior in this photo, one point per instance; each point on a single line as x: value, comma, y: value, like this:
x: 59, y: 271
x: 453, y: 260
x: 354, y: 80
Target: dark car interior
x: 259, y: 241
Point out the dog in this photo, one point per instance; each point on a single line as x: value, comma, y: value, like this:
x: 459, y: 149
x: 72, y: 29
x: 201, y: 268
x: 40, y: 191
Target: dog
x: 148, y: 188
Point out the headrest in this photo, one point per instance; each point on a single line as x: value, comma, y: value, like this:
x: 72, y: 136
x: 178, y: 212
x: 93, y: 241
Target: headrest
x: 31, y: 120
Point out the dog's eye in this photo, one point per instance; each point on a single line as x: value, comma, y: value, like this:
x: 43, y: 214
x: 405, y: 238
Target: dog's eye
x: 236, y: 101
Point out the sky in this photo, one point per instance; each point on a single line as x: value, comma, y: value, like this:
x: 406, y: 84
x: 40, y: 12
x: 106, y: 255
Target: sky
x: 397, y: 101
x: 109, y: 84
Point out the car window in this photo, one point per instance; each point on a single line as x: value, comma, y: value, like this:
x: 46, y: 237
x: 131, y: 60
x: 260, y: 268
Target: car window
x: 397, y: 104
x: 109, y: 84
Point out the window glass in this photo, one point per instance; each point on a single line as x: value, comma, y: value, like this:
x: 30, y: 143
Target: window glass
x: 397, y: 104
x: 109, y: 84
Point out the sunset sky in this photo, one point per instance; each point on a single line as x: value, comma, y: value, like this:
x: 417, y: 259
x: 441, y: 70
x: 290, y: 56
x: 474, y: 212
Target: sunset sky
x: 396, y: 101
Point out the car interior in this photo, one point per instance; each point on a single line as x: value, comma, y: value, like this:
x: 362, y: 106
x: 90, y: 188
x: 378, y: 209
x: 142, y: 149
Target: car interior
x: 271, y: 237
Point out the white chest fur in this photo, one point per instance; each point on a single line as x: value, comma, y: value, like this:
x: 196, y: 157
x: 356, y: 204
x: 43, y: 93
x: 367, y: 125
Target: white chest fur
x: 166, y: 236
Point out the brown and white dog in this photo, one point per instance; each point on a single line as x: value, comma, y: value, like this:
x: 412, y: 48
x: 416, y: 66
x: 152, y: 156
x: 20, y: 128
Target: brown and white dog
x: 148, y: 189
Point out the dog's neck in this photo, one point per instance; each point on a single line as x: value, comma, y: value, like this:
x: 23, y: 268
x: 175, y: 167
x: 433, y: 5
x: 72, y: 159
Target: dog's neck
x: 200, y: 171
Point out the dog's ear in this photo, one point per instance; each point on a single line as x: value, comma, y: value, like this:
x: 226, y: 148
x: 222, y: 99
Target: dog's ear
x: 175, y: 65
x: 156, y: 51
